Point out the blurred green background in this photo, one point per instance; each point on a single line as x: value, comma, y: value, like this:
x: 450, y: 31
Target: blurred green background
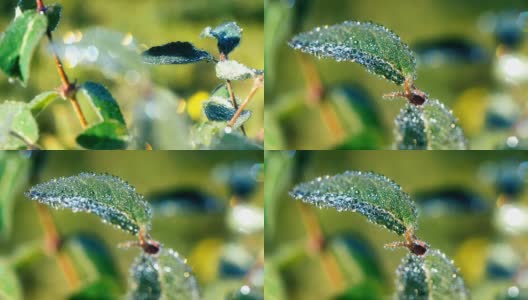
x: 100, y: 41
x: 467, y: 53
x: 473, y: 206
x: 198, y: 226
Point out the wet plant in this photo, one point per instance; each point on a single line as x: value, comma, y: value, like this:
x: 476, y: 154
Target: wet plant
x: 224, y: 110
x: 34, y: 21
x: 423, y: 123
x: 424, y: 273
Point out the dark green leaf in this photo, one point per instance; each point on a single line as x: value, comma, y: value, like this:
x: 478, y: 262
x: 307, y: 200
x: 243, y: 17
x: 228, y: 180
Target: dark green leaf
x: 163, y: 276
x: 108, y: 135
x: 103, y: 289
x: 104, y: 195
x: 10, y: 287
x: 54, y: 13
x: 235, y: 141
x: 228, y: 36
x: 223, y: 112
x: 14, y: 173
x: 366, y: 290
x: 27, y: 4
x: 40, y: 102
x: 19, y: 42
x: 184, y: 201
x: 16, y: 117
x: 375, y: 196
x: 430, y: 126
x: 431, y: 276
x: 176, y: 53
x: 103, y: 102
x: 233, y: 70
x: 371, y: 45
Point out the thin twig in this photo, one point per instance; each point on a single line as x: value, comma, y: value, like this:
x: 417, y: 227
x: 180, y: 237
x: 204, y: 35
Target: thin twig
x: 257, y: 84
x: 29, y: 144
x: 68, y: 89
x: 232, y: 92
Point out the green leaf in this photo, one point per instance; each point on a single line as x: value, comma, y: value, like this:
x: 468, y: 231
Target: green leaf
x: 54, y: 14
x: 228, y: 36
x: 103, y: 289
x: 163, y: 276
x: 273, y: 283
x: 14, y: 174
x: 223, y: 112
x: 431, y: 276
x: 103, y: 102
x: 109, y: 135
x: 27, y: 4
x: 10, y: 288
x: 375, y: 196
x: 40, y: 102
x: 19, y: 42
x: 235, y: 141
x: 16, y: 117
x: 246, y: 293
x: 107, y: 196
x: 176, y: 53
x: 233, y: 70
x: 375, y: 47
x: 430, y: 126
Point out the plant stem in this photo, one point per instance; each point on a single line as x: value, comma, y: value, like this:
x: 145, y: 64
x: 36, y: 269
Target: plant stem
x: 29, y: 145
x: 232, y: 92
x: 257, y: 84
x: 68, y: 89
x: 316, y: 243
x: 52, y: 241
x: 332, y: 120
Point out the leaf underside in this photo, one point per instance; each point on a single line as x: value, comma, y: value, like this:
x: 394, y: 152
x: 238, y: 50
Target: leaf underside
x: 107, y: 196
x: 175, y: 53
x: 103, y: 102
x: 41, y: 101
x: 222, y: 112
x: 163, y: 276
x: 18, y: 43
x: 375, y: 47
x: 228, y: 36
x: 16, y: 117
x: 430, y: 126
x: 431, y: 276
x: 375, y: 196
x: 233, y: 70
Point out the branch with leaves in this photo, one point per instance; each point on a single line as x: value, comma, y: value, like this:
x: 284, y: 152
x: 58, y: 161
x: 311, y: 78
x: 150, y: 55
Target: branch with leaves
x: 424, y: 272
x: 223, y: 109
x: 423, y: 123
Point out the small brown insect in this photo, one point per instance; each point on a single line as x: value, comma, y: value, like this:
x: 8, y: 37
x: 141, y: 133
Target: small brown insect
x: 411, y: 242
x: 411, y: 93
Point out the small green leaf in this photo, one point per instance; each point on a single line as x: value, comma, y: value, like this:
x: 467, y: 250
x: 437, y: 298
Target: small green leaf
x: 10, y: 287
x: 109, y: 135
x: 373, y: 46
x: 24, y: 5
x: 19, y: 42
x: 228, y: 36
x: 103, y: 102
x: 40, y: 102
x: 233, y: 70
x: 431, y: 276
x: 223, y: 112
x: 163, y: 276
x: 16, y: 117
x: 375, y: 196
x: 54, y: 14
x: 176, y: 53
x: 430, y: 126
x: 107, y: 196
x: 14, y: 174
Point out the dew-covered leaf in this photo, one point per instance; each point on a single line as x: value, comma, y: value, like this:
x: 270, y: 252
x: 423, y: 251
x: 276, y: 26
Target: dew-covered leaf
x: 14, y: 173
x: 431, y: 126
x: 222, y: 111
x: 16, y: 117
x: 233, y: 70
x: 10, y: 287
x: 431, y: 276
x: 103, y: 102
x: 109, y: 135
x: 371, y: 45
x: 18, y: 43
x: 165, y: 276
x: 228, y: 36
x: 41, y: 101
x: 175, y: 53
x: 375, y: 196
x: 107, y: 196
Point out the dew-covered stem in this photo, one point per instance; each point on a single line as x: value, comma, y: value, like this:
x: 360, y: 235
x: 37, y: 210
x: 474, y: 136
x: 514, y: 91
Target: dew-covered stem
x: 68, y: 89
x: 257, y: 84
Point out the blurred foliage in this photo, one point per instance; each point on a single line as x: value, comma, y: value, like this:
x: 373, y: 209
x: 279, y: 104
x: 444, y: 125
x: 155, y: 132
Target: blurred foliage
x: 472, y: 205
x: 196, y: 197
x: 100, y: 41
x: 472, y: 56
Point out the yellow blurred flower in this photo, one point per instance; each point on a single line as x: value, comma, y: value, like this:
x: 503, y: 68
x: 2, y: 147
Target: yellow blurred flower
x: 194, y: 104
